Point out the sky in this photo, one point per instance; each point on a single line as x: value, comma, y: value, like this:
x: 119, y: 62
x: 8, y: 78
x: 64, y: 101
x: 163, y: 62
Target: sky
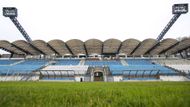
x: 87, y: 19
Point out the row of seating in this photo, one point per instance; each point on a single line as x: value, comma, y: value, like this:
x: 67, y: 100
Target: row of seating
x: 23, y: 67
x: 138, y: 62
x: 7, y: 62
x: 134, y: 67
x: 26, y: 66
x: 102, y: 63
x: 182, y: 68
x: 136, y: 73
x: 59, y: 78
x: 172, y: 61
x: 140, y: 79
x: 66, y: 70
x: 181, y: 65
x: 140, y: 67
x: 67, y: 62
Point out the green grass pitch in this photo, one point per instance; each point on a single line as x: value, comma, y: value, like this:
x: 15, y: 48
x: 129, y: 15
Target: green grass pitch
x: 95, y: 94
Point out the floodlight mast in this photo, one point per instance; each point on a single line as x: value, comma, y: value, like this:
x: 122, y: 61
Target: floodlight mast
x: 11, y: 12
x: 177, y: 10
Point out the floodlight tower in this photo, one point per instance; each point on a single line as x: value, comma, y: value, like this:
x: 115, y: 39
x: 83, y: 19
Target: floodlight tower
x: 11, y: 12
x: 177, y: 10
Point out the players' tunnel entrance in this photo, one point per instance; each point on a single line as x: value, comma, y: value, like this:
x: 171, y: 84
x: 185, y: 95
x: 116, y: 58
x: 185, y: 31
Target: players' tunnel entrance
x: 98, y: 76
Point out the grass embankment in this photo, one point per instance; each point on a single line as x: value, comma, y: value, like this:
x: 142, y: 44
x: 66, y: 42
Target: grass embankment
x: 97, y: 94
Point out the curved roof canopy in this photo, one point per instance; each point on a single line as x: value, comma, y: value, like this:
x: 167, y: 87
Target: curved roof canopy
x: 163, y: 45
x: 111, y: 46
x: 43, y: 46
x: 144, y: 47
x: 26, y: 47
x: 76, y: 46
x: 9, y: 47
x: 185, y: 43
x: 128, y: 46
x: 59, y: 46
x: 93, y: 46
x: 131, y: 47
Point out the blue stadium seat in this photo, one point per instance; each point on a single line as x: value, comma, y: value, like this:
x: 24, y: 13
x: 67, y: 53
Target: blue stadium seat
x: 59, y: 78
x: 140, y: 79
x: 7, y: 62
x: 138, y: 62
x: 67, y: 62
x: 139, y: 67
x: 23, y: 67
x: 102, y: 63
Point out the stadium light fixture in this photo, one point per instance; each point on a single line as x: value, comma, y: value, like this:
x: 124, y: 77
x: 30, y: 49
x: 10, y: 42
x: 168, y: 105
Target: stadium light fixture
x: 11, y: 12
x: 180, y: 8
x: 177, y: 10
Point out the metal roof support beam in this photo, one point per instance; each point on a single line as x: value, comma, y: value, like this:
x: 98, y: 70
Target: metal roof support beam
x: 7, y: 50
x: 27, y: 52
x: 57, y: 53
x: 85, y: 49
x: 69, y: 49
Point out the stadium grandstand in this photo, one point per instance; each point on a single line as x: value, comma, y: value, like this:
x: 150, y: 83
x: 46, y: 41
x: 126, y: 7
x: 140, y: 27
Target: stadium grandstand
x: 96, y: 60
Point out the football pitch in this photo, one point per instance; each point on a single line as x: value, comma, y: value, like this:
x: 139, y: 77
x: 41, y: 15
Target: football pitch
x: 95, y: 94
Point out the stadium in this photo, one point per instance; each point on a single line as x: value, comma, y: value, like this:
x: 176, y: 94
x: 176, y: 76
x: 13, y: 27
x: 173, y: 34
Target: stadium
x: 111, y: 60
x: 94, y: 60
x: 94, y: 69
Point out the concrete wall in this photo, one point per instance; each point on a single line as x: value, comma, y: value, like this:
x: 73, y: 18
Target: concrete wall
x: 18, y: 78
x: 174, y: 78
x: 117, y: 78
x: 78, y: 78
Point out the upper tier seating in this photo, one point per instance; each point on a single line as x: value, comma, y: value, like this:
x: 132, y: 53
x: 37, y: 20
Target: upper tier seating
x: 26, y: 66
x: 182, y: 65
x: 182, y: 68
x: 7, y: 62
x: 102, y: 63
x: 67, y: 62
x: 172, y: 61
x: 139, y: 62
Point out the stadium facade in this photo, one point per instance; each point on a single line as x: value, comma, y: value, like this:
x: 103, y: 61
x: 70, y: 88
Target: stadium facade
x: 95, y: 60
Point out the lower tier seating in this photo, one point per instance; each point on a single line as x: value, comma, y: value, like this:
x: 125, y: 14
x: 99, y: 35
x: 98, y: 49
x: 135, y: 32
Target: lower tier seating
x: 140, y: 79
x: 65, y: 70
x: 139, y: 70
